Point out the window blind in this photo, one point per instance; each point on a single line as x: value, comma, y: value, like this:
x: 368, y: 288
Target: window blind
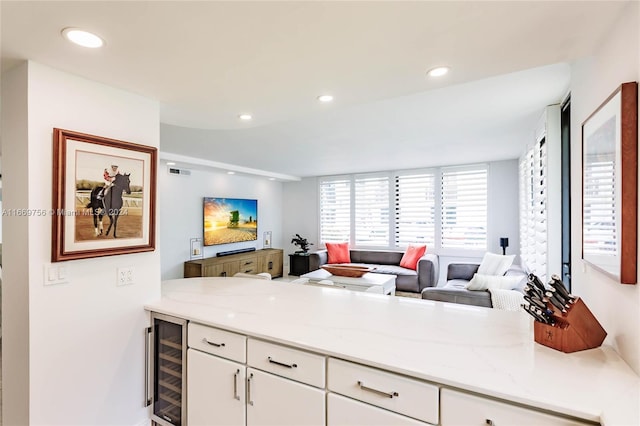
x: 372, y: 211
x: 464, y: 208
x: 335, y: 209
x: 415, y: 207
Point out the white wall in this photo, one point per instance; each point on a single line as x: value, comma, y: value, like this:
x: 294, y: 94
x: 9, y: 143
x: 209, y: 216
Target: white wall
x: 72, y: 353
x: 302, y: 197
x: 181, y: 212
x: 615, y: 305
x: 300, y: 206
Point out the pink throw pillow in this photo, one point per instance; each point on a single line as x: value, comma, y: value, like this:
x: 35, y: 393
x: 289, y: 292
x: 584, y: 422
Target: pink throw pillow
x: 338, y: 252
x: 411, y: 256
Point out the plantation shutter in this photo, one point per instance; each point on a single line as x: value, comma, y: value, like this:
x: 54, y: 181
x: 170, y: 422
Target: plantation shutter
x: 335, y: 209
x: 533, y: 210
x: 464, y: 208
x: 372, y: 210
x: 415, y: 214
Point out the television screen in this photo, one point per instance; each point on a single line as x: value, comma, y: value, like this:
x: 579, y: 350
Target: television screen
x: 230, y: 220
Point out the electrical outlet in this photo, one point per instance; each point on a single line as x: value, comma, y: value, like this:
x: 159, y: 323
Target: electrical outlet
x: 125, y: 276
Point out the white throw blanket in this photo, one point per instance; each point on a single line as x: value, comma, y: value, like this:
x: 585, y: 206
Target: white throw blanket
x: 508, y: 300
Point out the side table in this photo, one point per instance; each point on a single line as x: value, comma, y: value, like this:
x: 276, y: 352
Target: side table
x: 298, y: 264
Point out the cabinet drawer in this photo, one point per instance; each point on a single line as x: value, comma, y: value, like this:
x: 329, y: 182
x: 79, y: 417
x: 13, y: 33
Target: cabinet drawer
x: 343, y: 411
x: 248, y: 265
x: 397, y: 393
x: 294, y: 364
x: 459, y: 408
x: 217, y: 342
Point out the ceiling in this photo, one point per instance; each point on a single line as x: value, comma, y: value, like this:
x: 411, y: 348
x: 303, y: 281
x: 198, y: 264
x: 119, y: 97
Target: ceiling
x: 206, y: 62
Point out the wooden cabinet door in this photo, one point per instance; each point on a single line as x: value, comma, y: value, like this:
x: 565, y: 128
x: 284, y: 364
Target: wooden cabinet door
x: 230, y: 268
x: 273, y: 400
x: 215, y: 391
x: 212, y: 270
x: 271, y: 262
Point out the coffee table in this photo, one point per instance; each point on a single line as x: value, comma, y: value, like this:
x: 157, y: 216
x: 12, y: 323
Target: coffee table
x: 369, y: 282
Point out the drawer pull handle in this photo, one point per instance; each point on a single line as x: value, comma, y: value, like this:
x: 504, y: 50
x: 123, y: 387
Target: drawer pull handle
x: 376, y: 391
x: 249, y: 400
x: 282, y: 364
x: 235, y: 385
x: 217, y: 345
x: 489, y: 422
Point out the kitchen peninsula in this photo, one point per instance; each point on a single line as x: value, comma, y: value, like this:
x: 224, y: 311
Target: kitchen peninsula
x: 451, y: 354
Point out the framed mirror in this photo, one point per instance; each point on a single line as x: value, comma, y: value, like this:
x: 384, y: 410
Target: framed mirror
x: 609, y: 185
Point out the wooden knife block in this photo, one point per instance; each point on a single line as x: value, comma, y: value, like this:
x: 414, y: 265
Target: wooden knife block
x: 578, y: 330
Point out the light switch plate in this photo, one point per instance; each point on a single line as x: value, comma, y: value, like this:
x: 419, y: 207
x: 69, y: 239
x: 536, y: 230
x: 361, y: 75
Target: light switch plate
x: 55, y: 274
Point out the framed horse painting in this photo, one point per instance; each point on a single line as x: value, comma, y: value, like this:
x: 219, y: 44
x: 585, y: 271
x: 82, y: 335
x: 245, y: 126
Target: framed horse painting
x: 104, y: 196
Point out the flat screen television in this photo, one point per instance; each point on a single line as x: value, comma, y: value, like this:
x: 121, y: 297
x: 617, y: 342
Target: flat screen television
x: 230, y: 220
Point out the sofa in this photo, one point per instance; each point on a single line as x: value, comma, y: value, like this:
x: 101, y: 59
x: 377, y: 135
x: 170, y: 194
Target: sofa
x: 388, y: 262
x: 458, y: 277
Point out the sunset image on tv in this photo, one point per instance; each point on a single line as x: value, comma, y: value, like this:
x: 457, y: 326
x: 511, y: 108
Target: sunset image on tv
x: 230, y: 220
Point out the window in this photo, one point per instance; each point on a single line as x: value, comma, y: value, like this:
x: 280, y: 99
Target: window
x: 372, y: 211
x: 438, y: 207
x: 464, y: 208
x: 335, y: 209
x: 415, y: 209
x: 533, y: 210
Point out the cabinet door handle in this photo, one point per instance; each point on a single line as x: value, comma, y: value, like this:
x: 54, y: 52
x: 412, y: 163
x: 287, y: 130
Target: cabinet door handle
x: 235, y: 385
x: 282, y: 364
x: 148, y: 342
x: 249, y: 400
x: 376, y: 391
x: 217, y: 345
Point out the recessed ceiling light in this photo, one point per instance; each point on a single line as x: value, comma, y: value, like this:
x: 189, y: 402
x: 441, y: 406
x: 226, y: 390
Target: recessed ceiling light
x: 245, y: 117
x: 231, y: 173
x: 82, y: 38
x: 438, y: 71
x: 272, y: 178
x: 171, y: 163
x: 325, y: 98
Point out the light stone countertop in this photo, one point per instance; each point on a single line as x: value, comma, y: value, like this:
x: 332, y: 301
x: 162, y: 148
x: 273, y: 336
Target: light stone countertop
x: 482, y: 350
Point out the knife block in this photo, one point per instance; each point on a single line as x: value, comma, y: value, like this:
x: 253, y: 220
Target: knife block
x: 577, y: 330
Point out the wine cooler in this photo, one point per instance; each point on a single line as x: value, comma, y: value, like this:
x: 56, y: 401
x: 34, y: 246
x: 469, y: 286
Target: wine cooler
x: 166, y: 369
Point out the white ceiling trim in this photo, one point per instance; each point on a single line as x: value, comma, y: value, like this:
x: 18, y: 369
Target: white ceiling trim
x: 200, y: 163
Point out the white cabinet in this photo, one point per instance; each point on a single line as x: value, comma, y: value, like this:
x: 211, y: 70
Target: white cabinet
x: 411, y: 397
x: 273, y: 400
x: 215, y: 391
x: 287, y: 362
x: 228, y: 392
x: 233, y: 380
x: 462, y: 409
x: 343, y: 411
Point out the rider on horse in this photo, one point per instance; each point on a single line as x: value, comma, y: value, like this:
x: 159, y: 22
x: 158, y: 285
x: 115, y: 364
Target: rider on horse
x: 109, y: 178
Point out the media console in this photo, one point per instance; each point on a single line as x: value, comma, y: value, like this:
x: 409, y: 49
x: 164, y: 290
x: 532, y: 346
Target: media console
x: 249, y: 262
